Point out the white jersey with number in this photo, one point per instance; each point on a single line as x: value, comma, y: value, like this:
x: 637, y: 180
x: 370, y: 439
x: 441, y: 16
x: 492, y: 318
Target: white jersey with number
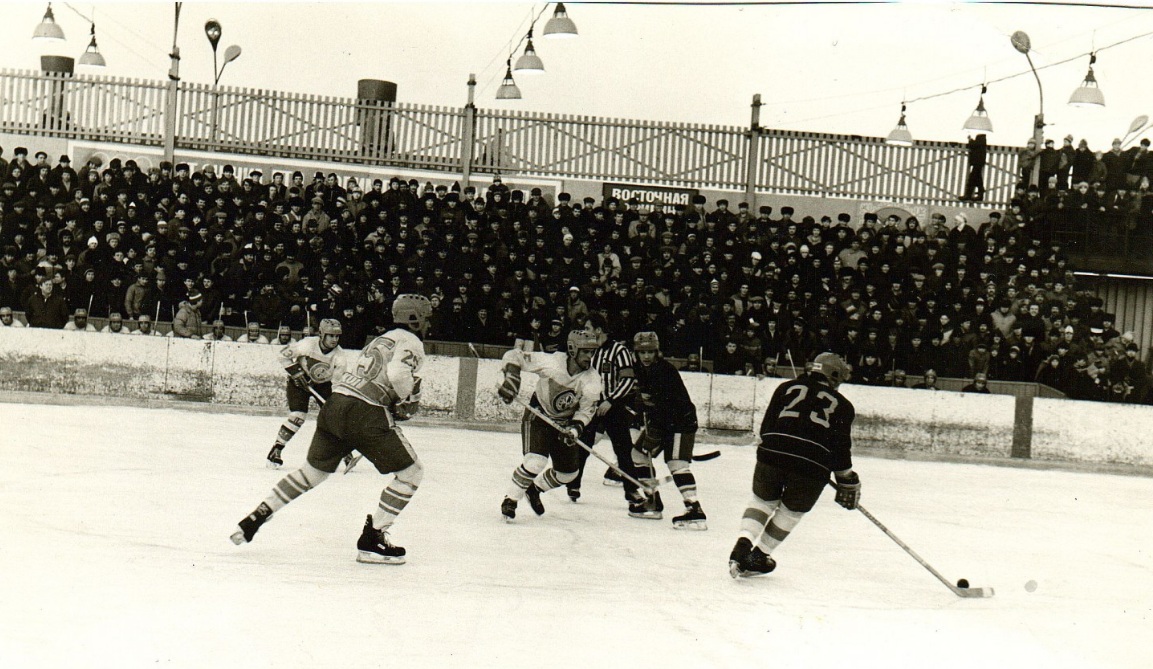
x: 321, y: 367
x: 562, y: 396
x: 385, y: 371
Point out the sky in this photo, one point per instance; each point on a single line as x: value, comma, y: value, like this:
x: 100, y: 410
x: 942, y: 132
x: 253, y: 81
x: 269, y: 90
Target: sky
x: 820, y: 67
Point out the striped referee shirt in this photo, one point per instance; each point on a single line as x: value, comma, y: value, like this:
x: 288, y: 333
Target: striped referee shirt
x: 615, y: 363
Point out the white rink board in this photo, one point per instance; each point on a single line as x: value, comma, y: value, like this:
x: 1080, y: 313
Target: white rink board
x: 116, y: 554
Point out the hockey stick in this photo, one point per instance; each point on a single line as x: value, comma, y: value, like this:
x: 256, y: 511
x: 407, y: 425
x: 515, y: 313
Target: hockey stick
x: 354, y: 459
x: 650, y: 488
x: 960, y: 592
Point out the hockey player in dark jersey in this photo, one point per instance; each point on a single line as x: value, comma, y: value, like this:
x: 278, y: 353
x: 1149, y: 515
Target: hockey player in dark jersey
x: 309, y: 362
x: 806, y: 433
x: 377, y: 389
x: 669, y: 418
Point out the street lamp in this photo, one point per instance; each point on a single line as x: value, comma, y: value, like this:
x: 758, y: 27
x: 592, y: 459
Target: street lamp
x: 212, y: 31
x: 1021, y: 43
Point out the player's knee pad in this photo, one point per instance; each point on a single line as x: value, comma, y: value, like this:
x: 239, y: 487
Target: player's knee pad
x: 565, y: 477
x: 642, y: 459
x: 678, y: 466
x: 296, y: 418
x: 411, y: 475
x: 535, y: 462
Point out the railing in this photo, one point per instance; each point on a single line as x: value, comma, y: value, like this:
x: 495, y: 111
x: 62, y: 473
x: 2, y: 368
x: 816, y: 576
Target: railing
x: 111, y: 109
x: 290, y: 125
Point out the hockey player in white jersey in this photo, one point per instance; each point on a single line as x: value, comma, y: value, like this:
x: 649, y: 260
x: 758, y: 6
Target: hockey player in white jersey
x: 567, y: 392
x: 310, y: 363
x: 378, y: 388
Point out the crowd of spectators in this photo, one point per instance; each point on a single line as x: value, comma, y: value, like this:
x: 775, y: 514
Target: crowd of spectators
x: 748, y: 291
x: 1087, y: 197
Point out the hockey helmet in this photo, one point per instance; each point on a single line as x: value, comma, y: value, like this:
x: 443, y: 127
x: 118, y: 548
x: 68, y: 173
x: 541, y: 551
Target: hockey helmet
x: 412, y: 311
x: 330, y: 326
x: 832, y: 367
x: 646, y: 341
x: 583, y: 340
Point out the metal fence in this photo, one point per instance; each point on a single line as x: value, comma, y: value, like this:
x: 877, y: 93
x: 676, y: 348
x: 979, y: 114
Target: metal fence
x: 466, y: 139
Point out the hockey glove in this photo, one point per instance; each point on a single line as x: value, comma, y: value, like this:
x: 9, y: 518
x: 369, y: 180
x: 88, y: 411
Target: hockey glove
x: 571, y: 433
x: 298, y: 376
x: 510, y: 387
x: 408, y: 407
x: 848, y: 489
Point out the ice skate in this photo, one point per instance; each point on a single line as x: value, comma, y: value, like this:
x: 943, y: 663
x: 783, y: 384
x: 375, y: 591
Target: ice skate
x: 373, y: 547
x: 250, y: 524
x: 612, y: 478
x: 645, y: 508
x: 574, y: 494
x: 532, y: 493
x: 747, y: 561
x: 508, y: 509
x: 274, y: 458
x: 692, y: 519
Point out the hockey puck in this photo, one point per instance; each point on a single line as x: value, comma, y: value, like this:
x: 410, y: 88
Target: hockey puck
x: 963, y: 583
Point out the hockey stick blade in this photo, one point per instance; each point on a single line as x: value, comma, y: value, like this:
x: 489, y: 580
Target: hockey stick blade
x: 706, y: 456
x: 972, y: 593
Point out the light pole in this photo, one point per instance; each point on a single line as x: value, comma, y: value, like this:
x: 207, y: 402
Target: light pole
x: 213, y: 30
x: 1021, y: 43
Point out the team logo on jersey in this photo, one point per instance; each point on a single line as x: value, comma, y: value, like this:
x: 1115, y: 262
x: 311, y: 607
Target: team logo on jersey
x: 321, y: 372
x: 564, y: 402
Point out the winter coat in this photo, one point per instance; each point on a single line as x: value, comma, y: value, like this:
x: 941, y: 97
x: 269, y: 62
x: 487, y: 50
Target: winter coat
x: 187, y: 322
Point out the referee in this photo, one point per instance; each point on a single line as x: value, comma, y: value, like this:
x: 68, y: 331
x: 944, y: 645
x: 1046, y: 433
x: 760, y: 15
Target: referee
x: 615, y: 362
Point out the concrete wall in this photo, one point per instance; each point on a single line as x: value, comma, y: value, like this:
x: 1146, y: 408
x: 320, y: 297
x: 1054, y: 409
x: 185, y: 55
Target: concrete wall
x: 889, y: 419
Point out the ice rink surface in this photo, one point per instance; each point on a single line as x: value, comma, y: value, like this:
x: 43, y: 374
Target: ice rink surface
x: 114, y: 552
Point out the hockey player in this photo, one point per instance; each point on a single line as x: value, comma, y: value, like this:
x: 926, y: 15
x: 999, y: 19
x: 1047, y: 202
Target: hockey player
x: 115, y: 324
x: 8, y: 319
x: 806, y: 433
x: 367, y: 400
x: 310, y: 363
x: 283, y: 336
x: 218, y: 332
x: 145, y: 327
x: 252, y: 334
x: 670, y: 425
x: 567, y: 392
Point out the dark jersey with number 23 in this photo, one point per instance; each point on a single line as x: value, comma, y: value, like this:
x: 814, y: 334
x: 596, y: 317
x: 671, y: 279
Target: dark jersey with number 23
x: 808, y: 428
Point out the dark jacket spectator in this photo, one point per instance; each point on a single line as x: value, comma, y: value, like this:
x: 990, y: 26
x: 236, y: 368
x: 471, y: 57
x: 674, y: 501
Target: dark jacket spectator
x: 46, y: 308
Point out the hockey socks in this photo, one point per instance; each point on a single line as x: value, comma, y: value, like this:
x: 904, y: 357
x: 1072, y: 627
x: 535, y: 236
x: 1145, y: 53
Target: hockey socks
x: 294, y: 485
x: 289, y: 428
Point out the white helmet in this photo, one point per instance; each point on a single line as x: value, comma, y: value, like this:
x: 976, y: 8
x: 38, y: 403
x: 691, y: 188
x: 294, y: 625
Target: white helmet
x: 412, y: 310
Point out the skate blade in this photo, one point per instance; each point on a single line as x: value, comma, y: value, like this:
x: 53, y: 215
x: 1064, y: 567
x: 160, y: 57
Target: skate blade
x: 507, y: 519
x: 698, y: 525
x: 352, y: 463
x: 238, y: 537
x: 273, y: 465
x: 613, y: 484
x: 734, y: 569
x: 368, y: 557
x: 646, y: 516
